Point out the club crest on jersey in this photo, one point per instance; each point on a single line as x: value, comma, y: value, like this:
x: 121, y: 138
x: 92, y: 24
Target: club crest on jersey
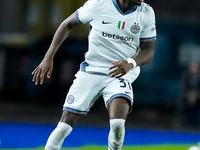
x: 70, y: 99
x: 121, y: 25
x: 135, y: 28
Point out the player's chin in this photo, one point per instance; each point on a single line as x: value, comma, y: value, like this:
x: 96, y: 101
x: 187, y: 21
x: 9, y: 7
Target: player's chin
x: 139, y: 2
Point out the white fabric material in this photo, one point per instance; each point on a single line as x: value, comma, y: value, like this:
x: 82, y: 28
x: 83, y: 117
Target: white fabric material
x: 87, y: 88
x: 108, y: 41
x: 116, y: 134
x: 58, y: 136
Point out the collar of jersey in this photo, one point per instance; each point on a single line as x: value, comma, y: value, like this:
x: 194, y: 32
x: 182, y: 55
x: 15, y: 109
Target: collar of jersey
x: 132, y: 9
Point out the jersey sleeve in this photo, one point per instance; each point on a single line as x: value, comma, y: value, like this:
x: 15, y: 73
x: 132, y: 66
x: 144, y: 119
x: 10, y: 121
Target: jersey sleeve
x: 149, y: 30
x: 87, y: 12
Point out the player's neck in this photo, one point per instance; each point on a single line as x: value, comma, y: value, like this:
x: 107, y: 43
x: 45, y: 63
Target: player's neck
x: 124, y: 5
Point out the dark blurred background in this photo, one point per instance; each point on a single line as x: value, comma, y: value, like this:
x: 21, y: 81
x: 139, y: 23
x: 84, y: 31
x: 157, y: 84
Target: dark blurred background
x: 166, y: 93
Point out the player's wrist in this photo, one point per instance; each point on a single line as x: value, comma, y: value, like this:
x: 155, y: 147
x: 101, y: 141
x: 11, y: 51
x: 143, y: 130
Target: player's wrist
x: 131, y: 60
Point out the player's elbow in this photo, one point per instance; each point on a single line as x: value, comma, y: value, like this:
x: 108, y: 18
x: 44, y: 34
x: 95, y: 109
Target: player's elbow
x: 66, y: 25
x: 150, y: 58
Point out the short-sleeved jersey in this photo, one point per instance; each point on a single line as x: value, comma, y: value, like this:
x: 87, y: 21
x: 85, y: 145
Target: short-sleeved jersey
x: 114, y: 35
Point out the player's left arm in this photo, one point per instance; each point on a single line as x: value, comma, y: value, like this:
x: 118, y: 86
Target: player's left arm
x: 146, y: 54
x: 120, y: 68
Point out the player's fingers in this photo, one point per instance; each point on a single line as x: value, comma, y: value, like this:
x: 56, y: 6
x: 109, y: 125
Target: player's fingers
x: 35, y: 74
x: 116, y: 62
x: 37, y: 78
x: 34, y: 70
x: 49, y: 72
x: 122, y: 73
x: 119, y: 76
x: 112, y: 67
x: 115, y: 74
x: 42, y: 77
x: 113, y: 71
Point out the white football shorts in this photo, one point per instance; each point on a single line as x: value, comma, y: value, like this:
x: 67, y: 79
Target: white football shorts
x: 88, y: 87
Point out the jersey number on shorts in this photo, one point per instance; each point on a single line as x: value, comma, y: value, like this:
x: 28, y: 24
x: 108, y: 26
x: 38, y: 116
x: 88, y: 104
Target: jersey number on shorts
x: 124, y: 83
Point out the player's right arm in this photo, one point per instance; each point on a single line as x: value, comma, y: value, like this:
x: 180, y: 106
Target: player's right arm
x: 46, y: 66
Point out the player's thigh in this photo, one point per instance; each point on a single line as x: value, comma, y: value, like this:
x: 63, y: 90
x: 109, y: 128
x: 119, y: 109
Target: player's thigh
x: 118, y: 88
x: 83, y: 93
x: 118, y: 108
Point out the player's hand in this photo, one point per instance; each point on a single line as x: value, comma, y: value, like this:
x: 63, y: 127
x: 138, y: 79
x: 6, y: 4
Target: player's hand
x: 119, y: 69
x: 46, y: 66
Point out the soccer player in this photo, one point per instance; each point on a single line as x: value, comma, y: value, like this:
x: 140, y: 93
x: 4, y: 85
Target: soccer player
x: 121, y: 39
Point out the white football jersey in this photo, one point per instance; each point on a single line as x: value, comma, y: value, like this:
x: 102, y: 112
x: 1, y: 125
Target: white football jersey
x: 114, y: 35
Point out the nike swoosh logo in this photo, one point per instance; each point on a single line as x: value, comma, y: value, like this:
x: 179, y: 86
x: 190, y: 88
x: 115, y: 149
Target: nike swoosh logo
x: 105, y: 22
